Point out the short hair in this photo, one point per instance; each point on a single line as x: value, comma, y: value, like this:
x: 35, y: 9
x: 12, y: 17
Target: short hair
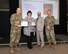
x: 29, y: 12
x: 17, y: 8
x: 49, y: 10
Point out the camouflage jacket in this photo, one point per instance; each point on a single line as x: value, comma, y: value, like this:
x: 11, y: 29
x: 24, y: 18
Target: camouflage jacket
x: 49, y: 21
x: 15, y: 20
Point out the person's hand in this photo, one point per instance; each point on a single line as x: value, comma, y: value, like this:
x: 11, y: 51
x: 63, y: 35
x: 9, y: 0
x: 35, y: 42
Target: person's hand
x: 48, y: 27
x: 18, y: 22
x: 19, y: 25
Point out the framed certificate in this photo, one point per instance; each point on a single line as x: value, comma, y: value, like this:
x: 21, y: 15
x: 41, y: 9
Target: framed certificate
x: 24, y: 23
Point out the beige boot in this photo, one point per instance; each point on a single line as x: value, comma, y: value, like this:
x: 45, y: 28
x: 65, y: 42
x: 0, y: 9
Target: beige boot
x: 49, y: 45
x: 12, y: 50
x: 54, y: 46
x: 17, y: 48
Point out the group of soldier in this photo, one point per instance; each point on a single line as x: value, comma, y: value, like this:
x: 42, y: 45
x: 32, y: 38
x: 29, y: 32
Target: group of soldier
x: 15, y: 32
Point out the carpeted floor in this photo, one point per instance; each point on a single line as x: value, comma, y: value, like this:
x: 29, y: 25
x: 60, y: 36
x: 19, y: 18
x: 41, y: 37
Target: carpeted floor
x: 61, y: 49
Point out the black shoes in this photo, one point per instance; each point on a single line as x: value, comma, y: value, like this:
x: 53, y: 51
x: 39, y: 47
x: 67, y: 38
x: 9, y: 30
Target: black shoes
x: 30, y: 46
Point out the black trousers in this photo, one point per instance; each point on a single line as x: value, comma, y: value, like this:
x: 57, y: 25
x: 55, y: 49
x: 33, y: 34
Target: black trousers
x: 29, y: 39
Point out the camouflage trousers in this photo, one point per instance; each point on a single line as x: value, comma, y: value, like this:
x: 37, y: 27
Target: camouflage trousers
x: 15, y: 37
x: 51, y: 36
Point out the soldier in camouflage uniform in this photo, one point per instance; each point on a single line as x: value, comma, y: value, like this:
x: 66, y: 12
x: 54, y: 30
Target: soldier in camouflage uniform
x: 49, y: 28
x: 15, y: 33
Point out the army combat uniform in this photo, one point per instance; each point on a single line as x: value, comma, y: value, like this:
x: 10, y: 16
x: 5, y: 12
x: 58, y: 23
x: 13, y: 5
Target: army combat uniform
x: 15, y: 32
x: 50, y: 21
